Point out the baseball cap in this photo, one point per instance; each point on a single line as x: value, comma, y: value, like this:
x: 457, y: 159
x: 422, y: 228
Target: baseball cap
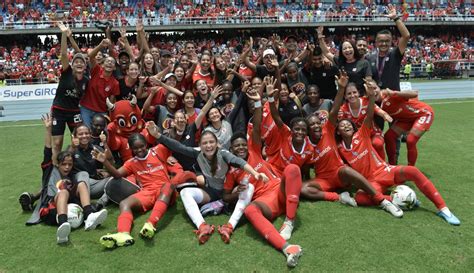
x: 165, y: 52
x: 80, y: 56
x: 268, y: 52
x: 169, y: 75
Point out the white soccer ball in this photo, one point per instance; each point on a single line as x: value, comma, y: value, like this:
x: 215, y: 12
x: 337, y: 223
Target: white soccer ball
x: 404, y: 197
x: 75, y: 215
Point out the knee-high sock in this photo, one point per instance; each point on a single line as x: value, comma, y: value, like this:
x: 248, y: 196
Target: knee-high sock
x: 245, y: 198
x: 264, y: 227
x: 191, y: 197
x: 331, y: 196
x: 124, y: 221
x: 161, y: 206
x: 293, y: 185
x: 411, y: 148
x: 364, y: 199
x: 378, y: 142
x: 391, y: 146
x: 422, y: 182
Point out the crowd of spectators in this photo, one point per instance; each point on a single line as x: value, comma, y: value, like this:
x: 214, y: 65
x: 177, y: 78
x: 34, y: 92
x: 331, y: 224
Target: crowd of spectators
x: 79, y: 13
x: 37, y: 60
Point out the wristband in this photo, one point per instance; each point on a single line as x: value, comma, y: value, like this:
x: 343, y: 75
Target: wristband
x: 396, y: 18
x: 258, y: 104
x: 271, y: 99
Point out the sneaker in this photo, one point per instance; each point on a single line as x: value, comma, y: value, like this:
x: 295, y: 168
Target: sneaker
x: 95, y: 219
x: 390, y: 207
x: 286, y: 229
x: 225, y: 231
x: 97, y: 207
x: 346, y: 199
x: 451, y: 219
x: 116, y: 240
x: 62, y: 234
x: 204, y: 232
x: 292, y: 253
x: 148, y: 230
x: 26, y: 201
x: 212, y: 208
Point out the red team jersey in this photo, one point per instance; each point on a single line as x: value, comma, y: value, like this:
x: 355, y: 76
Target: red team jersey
x: 152, y: 170
x: 287, y: 154
x: 361, y: 156
x: 326, y: 157
x: 358, y: 118
x: 235, y: 175
x: 98, y: 89
x: 405, y: 109
x: 206, y: 77
x: 268, y: 130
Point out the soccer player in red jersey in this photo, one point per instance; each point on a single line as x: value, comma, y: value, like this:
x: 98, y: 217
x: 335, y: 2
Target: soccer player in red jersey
x: 157, y: 192
x: 331, y: 173
x: 410, y: 116
x: 355, y: 109
x: 270, y: 199
x: 356, y: 148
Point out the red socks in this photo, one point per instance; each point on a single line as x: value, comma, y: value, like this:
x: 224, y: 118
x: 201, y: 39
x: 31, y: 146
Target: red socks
x: 422, y: 182
x: 331, y: 196
x: 293, y: 183
x: 264, y: 227
x: 363, y: 199
x: 377, y: 143
x: 158, y: 210
x: 391, y: 146
x: 125, y: 221
x: 411, y: 149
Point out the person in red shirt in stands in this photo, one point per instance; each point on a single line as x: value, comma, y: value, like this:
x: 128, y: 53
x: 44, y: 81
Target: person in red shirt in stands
x: 102, y: 85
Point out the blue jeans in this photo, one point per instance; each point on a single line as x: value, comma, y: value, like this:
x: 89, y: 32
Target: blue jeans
x: 87, y: 115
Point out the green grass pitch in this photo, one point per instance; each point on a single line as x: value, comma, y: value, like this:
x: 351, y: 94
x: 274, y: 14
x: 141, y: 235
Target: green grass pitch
x: 335, y: 238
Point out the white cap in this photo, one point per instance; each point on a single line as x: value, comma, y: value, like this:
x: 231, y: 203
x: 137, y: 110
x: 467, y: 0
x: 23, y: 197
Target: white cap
x: 268, y: 51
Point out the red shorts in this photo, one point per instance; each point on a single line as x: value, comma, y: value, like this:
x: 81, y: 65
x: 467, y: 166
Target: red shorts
x: 275, y: 200
x: 148, y: 198
x: 422, y: 123
x: 384, y: 180
x: 329, y: 182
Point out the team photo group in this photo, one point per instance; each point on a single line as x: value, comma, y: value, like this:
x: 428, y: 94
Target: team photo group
x: 247, y: 127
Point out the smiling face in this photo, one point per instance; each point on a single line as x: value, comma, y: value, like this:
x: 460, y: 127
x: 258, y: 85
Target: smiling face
x: 202, y: 88
x: 190, y: 49
x: 155, y: 52
x: 345, y: 129
x: 184, y: 61
x: 180, y: 120
x: 148, y: 61
x: 256, y: 83
x: 226, y: 56
x: 362, y: 47
x: 99, y: 57
x: 98, y: 125
x: 139, y: 148
x: 188, y: 100
x: 78, y: 66
x: 313, y: 94
x: 293, y: 72
x: 171, y: 100
x: 299, y: 131
x: 221, y: 64
x: 83, y: 133
x: 214, y: 115
x: 171, y: 81
x: 284, y: 93
x: 315, y: 128
x: 383, y: 42
x: 205, y: 62
x: 179, y: 72
x: 133, y: 71
x: 208, y: 144
x: 348, y: 51
x: 239, y: 147
x: 352, y: 94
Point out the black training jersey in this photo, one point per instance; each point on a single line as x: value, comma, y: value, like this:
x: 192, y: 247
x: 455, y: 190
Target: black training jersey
x: 69, y: 91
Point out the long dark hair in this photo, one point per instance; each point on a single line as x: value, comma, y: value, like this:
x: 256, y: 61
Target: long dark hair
x: 214, y: 156
x: 342, y: 59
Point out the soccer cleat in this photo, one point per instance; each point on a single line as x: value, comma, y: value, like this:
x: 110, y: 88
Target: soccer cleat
x: 26, y: 201
x: 62, y: 234
x: 451, y: 219
x: 225, y: 231
x: 286, y: 229
x: 391, y: 208
x: 95, y: 219
x: 204, y: 232
x: 417, y: 204
x: 116, y: 240
x: 346, y: 199
x: 292, y: 253
x: 148, y: 230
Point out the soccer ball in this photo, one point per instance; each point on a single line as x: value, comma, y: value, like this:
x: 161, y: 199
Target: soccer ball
x: 75, y: 215
x: 404, y: 197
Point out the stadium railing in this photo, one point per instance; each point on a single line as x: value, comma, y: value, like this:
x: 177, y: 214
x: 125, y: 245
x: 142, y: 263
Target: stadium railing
x: 302, y: 17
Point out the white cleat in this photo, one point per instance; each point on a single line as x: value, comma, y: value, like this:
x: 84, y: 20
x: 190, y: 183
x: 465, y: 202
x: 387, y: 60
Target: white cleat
x: 286, y: 229
x: 391, y: 208
x: 62, y: 234
x: 292, y: 253
x: 95, y: 219
x: 346, y: 199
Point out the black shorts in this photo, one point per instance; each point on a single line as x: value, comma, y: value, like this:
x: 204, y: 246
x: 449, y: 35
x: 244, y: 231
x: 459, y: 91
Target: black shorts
x: 213, y: 193
x: 61, y: 118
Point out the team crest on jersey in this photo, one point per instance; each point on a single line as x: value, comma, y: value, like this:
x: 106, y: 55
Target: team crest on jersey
x: 76, y: 156
x: 354, y: 153
x: 356, y: 141
x: 149, y: 165
x: 363, y: 112
x: 107, y: 88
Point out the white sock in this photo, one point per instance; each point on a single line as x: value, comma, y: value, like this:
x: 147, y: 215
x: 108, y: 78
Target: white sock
x: 191, y: 197
x: 446, y: 211
x: 245, y: 198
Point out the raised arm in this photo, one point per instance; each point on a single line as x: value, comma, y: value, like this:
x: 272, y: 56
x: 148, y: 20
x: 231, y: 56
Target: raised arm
x: 273, y: 95
x: 216, y: 92
x: 409, y: 94
x: 48, y: 123
x: 64, y: 57
x: 370, y: 88
x: 171, y: 144
x: 147, y: 107
x: 322, y: 44
x: 405, y: 34
x: 257, y: 116
x: 171, y: 89
x: 73, y: 42
x: 245, y: 57
x: 126, y: 45
x: 103, y: 44
x: 342, y: 81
